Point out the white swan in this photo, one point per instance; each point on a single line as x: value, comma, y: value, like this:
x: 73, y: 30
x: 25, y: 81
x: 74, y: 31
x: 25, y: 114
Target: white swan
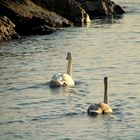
x: 63, y: 79
x: 101, y: 108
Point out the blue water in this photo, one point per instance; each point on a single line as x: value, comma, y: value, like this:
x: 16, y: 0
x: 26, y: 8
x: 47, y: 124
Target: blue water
x: 29, y: 109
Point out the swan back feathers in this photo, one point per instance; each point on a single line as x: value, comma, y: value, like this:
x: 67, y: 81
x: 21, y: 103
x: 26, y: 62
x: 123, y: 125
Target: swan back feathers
x: 61, y: 79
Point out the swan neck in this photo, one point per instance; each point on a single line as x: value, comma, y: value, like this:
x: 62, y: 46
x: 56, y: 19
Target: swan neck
x: 69, y: 67
x: 106, y: 98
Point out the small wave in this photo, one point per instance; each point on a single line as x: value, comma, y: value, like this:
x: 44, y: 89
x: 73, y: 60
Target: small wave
x: 24, y: 87
x: 15, y: 107
x: 55, y: 116
x: 79, y: 83
x: 12, y: 122
x: 70, y: 114
x: 45, y: 117
x: 27, y: 103
x: 132, y: 97
x: 13, y: 134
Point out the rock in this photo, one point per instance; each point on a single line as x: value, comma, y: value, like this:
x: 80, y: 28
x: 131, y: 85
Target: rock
x: 69, y: 9
x: 7, y: 31
x: 98, y: 8
x: 118, y: 10
x: 29, y: 17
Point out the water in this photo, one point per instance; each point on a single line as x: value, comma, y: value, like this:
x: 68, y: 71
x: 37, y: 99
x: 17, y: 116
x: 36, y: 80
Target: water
x: 29, y: 109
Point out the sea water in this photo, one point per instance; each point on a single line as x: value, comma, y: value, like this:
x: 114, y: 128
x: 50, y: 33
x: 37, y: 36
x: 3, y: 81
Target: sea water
x: 30, y: 109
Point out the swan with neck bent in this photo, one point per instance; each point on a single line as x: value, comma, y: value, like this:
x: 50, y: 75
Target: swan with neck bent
x: 101, y: 108
x: 64, y: 79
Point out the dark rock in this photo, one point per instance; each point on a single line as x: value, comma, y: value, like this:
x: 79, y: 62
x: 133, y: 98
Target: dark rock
x: 27, y: 16
x: 98, y: 8
x: 69, y: 9
x: 7, y: 31
x: 118, y: 10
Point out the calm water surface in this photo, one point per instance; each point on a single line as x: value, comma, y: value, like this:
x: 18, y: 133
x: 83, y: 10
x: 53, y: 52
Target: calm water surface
x: 29, y: 109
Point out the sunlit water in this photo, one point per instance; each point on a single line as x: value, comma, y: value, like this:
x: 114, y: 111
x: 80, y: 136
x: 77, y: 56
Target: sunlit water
x: 30, y: 109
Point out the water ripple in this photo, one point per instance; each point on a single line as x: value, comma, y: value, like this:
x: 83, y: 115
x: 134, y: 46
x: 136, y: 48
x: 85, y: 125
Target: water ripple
x: 30, y: 109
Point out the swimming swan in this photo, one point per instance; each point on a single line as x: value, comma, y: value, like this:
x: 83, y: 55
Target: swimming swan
x: 101, y: 108
x: 63, y: 79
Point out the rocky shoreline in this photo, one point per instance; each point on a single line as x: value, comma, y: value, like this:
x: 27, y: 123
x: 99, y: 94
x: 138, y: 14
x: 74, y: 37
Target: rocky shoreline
x: 34, y: 17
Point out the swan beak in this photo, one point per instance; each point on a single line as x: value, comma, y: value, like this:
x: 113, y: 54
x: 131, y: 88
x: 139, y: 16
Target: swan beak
x: 94, y: 112
x: 67, y: 58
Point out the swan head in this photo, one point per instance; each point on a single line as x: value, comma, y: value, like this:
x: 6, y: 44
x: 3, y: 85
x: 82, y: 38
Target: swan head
x: 94, y: 109
x: 68, y: 56
x: 57, y: 80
